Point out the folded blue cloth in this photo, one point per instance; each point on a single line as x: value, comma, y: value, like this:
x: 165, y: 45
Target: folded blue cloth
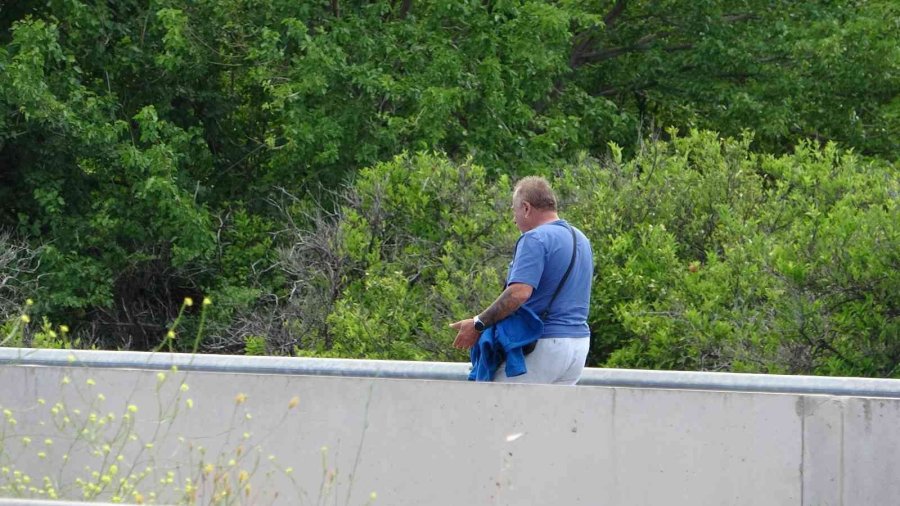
x: 504, y: 341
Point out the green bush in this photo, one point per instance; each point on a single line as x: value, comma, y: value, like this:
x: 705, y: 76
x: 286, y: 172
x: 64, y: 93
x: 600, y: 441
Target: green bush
x: 143, y: 144
x: 707, y: 257
x: 418, y: 242
x: 711, y: 257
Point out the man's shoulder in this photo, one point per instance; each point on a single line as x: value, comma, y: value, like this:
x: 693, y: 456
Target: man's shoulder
x: 558, y: 232
x: 555, y: 229
x: 537, y: 234
x: 549, y: 228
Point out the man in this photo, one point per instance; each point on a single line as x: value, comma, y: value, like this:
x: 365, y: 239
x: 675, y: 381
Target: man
x: 543, y: 255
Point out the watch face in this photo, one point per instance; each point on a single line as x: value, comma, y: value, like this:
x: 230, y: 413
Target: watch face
x: 479, y: 325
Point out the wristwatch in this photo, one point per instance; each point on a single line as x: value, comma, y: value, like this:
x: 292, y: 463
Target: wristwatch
x: 479, y: 325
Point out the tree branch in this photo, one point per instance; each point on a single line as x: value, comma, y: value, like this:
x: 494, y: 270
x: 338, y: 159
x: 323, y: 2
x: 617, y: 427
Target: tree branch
x: 733, y: 18
x: 581, y: 55
x: 645, y: 43
x: 613, y: 15
x: 404, y: 8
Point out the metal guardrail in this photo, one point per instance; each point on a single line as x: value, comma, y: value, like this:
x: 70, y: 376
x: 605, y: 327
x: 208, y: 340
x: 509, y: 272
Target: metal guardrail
x: 448, y: 371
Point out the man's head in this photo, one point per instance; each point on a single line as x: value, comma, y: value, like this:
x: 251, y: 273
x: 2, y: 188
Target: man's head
x: 534, y: 203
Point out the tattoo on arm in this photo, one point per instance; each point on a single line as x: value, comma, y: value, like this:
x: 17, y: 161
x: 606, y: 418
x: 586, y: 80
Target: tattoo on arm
x: 504, y: 306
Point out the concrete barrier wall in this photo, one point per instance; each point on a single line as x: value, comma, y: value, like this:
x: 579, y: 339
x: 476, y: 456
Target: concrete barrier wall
x: 288, y: 439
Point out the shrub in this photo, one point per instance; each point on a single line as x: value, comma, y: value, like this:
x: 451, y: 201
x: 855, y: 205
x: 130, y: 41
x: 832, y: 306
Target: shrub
x: 417, y: 242
x: 712, y: 257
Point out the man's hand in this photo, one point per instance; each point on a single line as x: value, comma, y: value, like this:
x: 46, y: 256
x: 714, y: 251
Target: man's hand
x: 466, y: 336
x: 506, y: 304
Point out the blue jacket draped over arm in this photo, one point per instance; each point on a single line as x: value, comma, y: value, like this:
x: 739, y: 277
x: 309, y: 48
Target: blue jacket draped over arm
x: 504, y: 341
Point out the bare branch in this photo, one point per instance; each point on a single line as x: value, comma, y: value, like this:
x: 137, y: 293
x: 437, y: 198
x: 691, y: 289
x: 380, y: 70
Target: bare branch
x: 17, y: 265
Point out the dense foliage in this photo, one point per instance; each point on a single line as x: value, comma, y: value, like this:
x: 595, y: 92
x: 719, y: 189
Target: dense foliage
x: 712, y: 257
x: 708, y: 257
x: 255, y: 152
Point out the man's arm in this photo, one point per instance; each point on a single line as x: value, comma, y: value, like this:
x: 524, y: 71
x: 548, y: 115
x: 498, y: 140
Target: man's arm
x: 506, y: 304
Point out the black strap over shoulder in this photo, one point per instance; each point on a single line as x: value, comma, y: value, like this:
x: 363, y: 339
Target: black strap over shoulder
x: 565, y: 276
x: 528, y: 348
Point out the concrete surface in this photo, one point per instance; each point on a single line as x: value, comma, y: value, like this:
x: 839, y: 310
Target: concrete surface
x: 423, y: 442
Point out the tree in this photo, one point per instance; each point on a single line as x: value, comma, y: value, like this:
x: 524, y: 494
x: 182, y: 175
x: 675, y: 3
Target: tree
x: 786, y: 70
x: 143, y: 142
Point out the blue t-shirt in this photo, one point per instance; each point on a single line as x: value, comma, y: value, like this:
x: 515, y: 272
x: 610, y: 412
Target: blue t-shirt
x: 542, y: 257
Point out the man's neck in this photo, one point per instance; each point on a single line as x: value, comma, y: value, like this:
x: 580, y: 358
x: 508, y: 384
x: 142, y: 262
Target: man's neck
x: 547, y: 217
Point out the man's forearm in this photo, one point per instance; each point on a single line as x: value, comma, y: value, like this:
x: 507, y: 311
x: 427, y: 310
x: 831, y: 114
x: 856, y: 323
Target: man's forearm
x: 506, y: 304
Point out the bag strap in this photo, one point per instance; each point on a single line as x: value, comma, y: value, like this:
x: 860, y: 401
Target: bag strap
x: 565, y: 276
